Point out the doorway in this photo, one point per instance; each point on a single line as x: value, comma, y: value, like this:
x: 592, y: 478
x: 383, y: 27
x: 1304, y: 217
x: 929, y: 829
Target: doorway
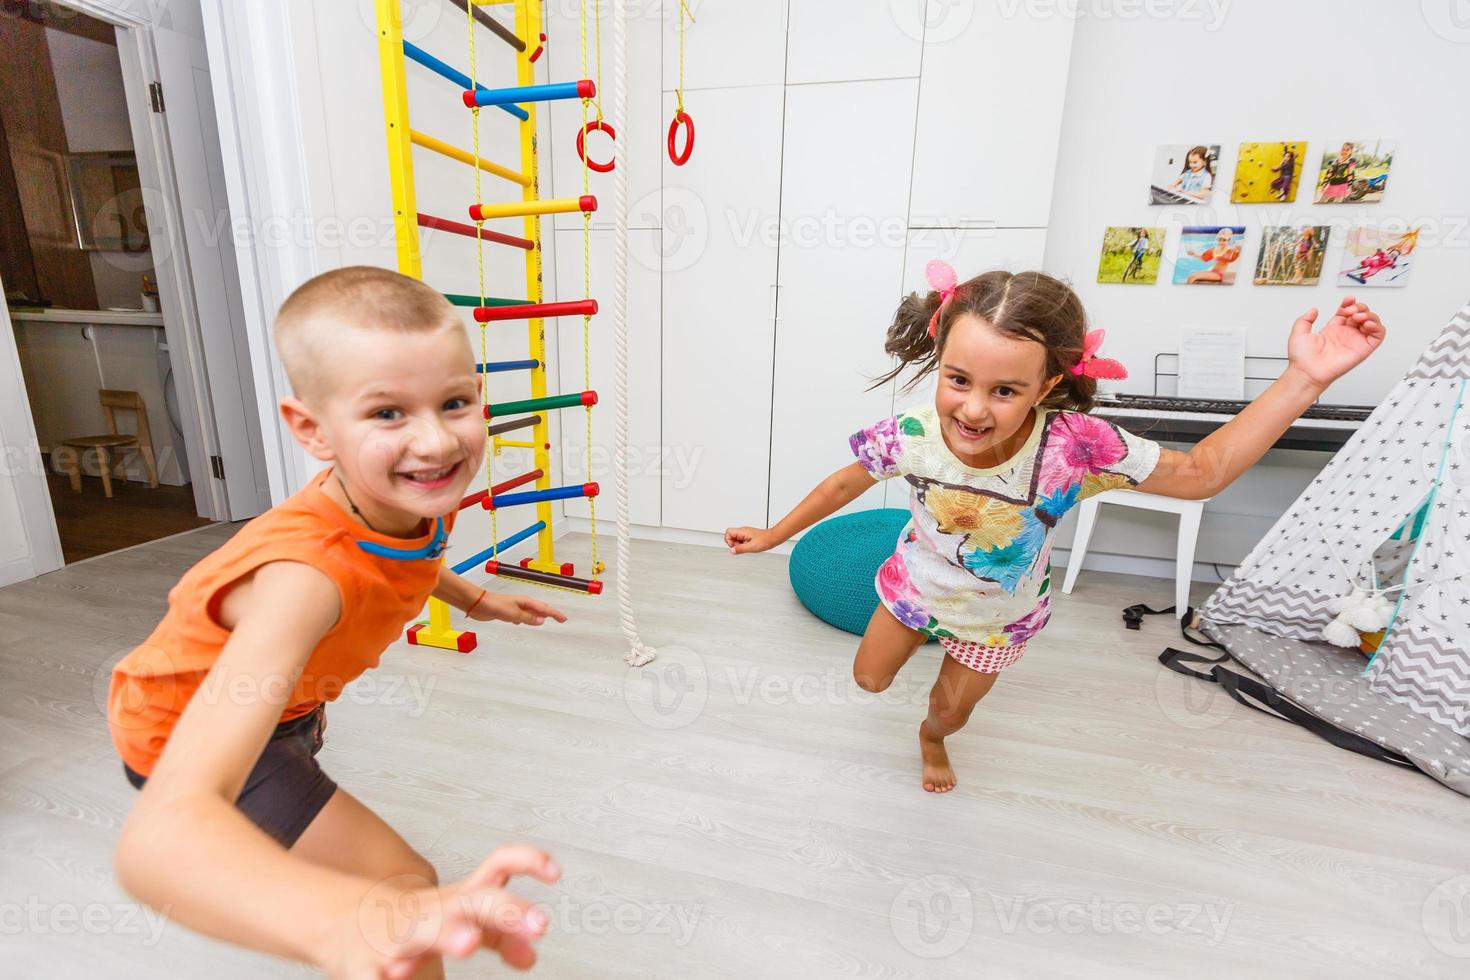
x: 123, y: 323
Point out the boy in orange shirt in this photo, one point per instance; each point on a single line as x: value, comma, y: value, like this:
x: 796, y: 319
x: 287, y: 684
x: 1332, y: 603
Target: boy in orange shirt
x: 219, y: 714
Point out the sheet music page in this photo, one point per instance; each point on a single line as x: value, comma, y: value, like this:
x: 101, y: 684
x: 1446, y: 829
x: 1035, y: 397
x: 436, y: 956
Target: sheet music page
x: 1212, y: 363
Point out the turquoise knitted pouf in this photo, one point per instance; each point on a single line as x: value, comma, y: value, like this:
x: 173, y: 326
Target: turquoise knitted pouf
x: 833, y: 565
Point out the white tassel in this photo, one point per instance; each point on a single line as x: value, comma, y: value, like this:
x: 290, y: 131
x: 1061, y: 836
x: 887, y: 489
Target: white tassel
x: 1340, y: 634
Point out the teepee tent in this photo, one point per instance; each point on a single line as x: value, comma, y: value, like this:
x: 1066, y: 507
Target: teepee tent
x: 1385, y: 525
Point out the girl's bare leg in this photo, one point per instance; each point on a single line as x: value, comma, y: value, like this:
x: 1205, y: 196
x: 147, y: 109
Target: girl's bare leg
x: 956, y: 692
x: 887, y: 645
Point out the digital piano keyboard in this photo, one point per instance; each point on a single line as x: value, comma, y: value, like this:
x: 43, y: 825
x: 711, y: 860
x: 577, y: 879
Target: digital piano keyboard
x: 1322, y: 428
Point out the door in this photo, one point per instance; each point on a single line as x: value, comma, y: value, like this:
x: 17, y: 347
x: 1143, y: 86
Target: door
x: 208, y: 283
x: 29, y: 545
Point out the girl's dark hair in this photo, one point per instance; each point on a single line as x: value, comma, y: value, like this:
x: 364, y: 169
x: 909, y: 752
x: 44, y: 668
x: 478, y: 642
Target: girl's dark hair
x: 1027, y: 305
x: 1203, y: 152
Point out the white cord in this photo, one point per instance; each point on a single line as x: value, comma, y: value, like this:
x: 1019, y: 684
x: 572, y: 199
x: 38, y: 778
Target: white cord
x: 638, y: 653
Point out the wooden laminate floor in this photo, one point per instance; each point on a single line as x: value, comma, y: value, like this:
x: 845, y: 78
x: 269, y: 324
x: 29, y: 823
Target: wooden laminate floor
x: 89, y: 524
x: 741, y: 809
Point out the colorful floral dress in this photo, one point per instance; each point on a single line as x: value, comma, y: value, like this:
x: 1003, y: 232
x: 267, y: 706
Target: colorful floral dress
x: 972, y: 566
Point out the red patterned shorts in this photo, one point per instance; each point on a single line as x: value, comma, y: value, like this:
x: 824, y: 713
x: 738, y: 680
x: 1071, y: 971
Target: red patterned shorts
x: 977, y: 656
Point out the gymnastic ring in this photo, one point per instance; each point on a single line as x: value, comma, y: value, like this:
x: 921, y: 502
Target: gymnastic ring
x: 594, y: 126
x: 681, y: 118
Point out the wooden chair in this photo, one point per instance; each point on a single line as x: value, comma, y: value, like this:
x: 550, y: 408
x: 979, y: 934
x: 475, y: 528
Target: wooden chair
x: 113, y: 440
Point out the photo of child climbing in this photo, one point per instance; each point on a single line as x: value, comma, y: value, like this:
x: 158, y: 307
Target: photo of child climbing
x: 1184, y: 173
x: 1376, y: 257
x: 1130, y: 254
x: 1291, y: 256
x: 1268, y: 173
x: 1208, y: 255
x: 1354, y: 173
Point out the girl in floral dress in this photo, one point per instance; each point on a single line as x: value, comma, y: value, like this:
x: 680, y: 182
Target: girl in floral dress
x: 1004, y: 451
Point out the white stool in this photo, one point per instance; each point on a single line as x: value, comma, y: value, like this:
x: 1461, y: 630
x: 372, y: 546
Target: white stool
x: 1189, y: 512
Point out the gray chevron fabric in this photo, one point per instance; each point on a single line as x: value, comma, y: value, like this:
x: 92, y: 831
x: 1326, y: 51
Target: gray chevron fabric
x: 1328, y: 681
x: 1392, y: 507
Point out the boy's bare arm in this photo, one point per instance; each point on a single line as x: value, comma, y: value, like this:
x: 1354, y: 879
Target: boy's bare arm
x: 185, y: 849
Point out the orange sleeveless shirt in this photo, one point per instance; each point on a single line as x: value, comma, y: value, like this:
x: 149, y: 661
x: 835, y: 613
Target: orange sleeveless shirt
x: 153, y: 683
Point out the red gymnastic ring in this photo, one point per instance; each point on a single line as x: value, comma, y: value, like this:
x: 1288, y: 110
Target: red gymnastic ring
x: 593, y: 126
x: 684, y: 119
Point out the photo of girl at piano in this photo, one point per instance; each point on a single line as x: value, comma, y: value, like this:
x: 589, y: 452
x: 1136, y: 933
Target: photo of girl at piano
x: 1209, y: 255
x: 1184, y: 174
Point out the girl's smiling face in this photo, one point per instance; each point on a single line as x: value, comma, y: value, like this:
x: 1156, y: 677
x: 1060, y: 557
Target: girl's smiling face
x: 988, y: 384
x: 1196, y: 162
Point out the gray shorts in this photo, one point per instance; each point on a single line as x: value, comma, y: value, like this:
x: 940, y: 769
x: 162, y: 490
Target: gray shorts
x: 287, y: 788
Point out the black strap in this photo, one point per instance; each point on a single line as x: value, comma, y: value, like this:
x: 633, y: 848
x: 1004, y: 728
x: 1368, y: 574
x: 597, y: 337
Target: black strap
x: 1253, y: 693
x: 1133, y: 615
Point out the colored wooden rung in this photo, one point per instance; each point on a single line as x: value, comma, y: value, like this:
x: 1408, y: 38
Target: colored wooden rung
x: 512, y: 425
x: 509, y: 542
x: 522, y: 209
x: 466, y: 299
x: 536, y: 311
x: 415, y: 53
x: 455, y: 153
x: 495, y: 367
x: 470, y: 231
x: 583, y: 89
x: 497, y: 409
x: 498, y: 501
x: 510, y: 484
x: 423, y: 635
x: 503, y: 570
x: 496, y: 27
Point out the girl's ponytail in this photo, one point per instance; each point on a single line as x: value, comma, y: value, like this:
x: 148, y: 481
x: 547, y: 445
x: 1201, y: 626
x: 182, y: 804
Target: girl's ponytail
x: 908, y: 337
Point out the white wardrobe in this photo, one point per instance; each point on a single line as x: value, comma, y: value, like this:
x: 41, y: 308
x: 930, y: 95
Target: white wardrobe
x: 839, y: 146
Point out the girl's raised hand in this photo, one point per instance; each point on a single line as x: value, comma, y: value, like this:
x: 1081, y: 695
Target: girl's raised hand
x: 746, y: 540
x: 1349, y: 337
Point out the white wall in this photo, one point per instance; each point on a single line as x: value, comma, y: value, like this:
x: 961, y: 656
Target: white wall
x: 1245, y: 71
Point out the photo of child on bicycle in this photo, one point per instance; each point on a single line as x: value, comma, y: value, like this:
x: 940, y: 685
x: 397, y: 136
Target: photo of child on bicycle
x: 1130, y: 254
x: 1354, y: 173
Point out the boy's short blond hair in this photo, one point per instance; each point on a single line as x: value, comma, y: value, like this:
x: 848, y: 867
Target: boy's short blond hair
x: 364, y: 297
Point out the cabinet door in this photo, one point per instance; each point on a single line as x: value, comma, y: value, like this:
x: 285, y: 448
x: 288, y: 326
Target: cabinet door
x: 839, y: 41
x: 843, y: 218
x: 642, y: 133
x: 643, y: 457
x: 719, y: 272
x: 729, y: 45
x: 990, y: 113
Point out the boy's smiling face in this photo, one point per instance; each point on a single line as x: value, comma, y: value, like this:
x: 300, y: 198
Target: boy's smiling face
x: 399, y: 416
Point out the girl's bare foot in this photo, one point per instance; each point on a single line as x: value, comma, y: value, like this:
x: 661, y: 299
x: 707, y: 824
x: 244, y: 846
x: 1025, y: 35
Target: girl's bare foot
x: 938, y: 776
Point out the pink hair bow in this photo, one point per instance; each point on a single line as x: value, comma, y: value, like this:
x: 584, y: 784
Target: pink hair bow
x: 941, y: 277
x: 1093, y: 366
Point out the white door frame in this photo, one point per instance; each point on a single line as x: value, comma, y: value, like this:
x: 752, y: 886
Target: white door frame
x: 20, y: 464
x: 135, y: 20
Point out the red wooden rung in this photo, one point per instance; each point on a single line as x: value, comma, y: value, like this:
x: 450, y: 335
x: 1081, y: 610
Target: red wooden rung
x: 479, y: 496
x: 469, y: 231
x: 533, y: 311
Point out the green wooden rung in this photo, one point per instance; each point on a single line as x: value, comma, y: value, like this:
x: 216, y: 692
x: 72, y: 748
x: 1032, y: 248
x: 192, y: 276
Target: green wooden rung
x: 460, y: 299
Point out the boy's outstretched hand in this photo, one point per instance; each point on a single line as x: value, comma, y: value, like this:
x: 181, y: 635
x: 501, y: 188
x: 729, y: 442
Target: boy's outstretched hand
x: 401, y: 925
x: 1348, y: 338
x: 519, y: 609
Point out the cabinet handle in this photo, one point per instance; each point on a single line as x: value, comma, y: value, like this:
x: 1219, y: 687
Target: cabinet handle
x: 775, y: 300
